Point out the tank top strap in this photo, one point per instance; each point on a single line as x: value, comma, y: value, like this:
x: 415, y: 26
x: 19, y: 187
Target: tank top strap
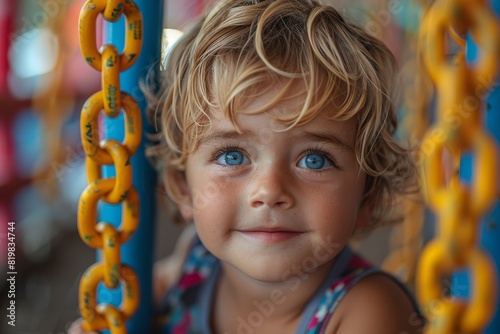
x: 356, y: 270
x: 345, y: 269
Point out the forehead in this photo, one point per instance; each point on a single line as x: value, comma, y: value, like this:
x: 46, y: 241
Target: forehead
x: 265, y: 125
x: 287, y: 99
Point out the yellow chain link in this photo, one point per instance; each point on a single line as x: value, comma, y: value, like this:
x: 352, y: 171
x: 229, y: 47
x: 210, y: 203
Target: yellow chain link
x: 458, y: 207
x: 115, y: 190
x: 96, y: 316
x: 90, y: 122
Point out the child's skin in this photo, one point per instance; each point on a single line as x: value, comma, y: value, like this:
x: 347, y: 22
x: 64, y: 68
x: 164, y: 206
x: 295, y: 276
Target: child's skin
x: 262, y: 201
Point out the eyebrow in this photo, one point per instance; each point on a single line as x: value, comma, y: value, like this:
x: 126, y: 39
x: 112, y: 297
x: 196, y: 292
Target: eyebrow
x: 328, y: 138
x: 222, y: 135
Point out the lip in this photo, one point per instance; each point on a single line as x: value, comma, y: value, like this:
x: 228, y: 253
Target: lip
x: 270, y: 234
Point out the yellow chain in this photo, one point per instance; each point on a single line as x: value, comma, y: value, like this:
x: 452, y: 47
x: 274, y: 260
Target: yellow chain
x: 116, y: 190
x: 458, y: 208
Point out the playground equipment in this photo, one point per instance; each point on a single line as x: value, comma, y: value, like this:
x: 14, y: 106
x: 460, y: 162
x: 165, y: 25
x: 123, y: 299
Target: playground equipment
x: 461, y: 88
x: 127, y: 247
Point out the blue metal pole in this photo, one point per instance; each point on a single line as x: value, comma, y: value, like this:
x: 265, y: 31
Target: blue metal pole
x: 138, y: 252
x: 490, y: 230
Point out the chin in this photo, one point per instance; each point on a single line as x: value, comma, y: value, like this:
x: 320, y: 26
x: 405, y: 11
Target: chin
x: 274, y: 271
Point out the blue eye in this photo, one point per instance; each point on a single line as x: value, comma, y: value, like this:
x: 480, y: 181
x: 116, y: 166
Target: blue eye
x: 314, y: 161
x: 233, y: 158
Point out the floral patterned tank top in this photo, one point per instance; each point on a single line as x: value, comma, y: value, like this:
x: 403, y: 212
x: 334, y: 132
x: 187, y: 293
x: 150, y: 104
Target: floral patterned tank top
x: 186, y: 307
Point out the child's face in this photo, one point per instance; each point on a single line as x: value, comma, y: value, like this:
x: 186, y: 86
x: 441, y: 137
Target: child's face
x: 274, y: 203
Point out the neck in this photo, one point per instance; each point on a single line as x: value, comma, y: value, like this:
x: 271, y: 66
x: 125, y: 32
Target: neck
x: 276, y: 302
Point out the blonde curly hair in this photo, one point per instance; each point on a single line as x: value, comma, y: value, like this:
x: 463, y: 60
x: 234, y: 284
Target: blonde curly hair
x: 242, y: 48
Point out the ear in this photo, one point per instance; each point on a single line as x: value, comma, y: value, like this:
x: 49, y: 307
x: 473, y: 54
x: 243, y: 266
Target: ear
x: 181, y: 194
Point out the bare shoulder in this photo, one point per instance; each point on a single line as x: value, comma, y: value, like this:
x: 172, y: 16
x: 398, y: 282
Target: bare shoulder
x: 377, y: 304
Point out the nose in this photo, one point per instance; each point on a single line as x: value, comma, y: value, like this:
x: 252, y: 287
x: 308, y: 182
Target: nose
x: 271, y: 188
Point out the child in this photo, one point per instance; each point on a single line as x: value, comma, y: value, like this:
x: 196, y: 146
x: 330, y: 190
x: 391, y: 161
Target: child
x: 278, y: 119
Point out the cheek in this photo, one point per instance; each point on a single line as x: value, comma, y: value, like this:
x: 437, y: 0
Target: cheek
x: 203, y: 190
x: 336, y: 212
x: 215, y: 207
x: 212, y: 196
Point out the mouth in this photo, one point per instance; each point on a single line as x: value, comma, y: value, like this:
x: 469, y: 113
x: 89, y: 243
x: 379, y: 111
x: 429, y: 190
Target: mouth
x: 270, y: 235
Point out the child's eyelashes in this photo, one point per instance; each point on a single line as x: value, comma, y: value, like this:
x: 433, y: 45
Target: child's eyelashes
x: 312, y: 159
x: 230, y: 156
x: 316, y: 160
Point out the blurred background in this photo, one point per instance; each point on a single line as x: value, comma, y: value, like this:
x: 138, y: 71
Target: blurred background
x: 44, y: 82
